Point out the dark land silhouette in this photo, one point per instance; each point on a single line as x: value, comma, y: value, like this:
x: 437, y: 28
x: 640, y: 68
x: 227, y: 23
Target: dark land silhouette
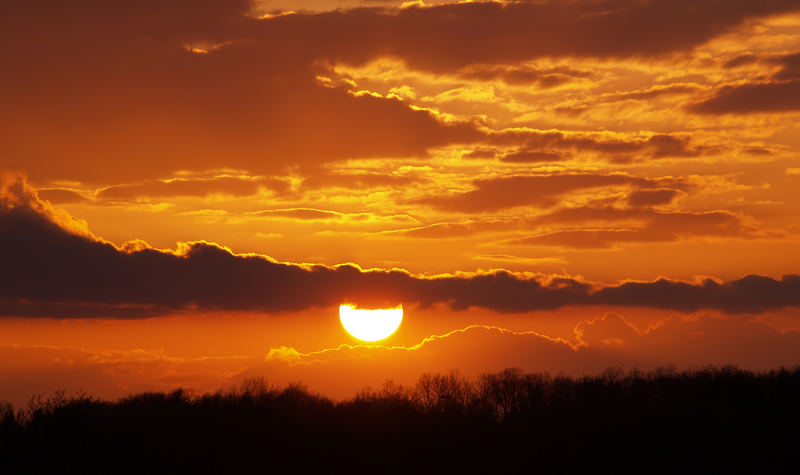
x: 706, y: 420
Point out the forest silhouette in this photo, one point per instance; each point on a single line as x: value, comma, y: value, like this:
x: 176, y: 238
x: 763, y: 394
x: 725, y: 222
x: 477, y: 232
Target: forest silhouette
x: 701, y: 420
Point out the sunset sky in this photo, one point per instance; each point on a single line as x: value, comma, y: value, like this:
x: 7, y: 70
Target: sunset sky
x: 190, y: 189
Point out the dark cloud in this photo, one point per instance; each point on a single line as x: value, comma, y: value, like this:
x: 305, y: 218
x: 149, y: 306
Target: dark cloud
x: 538, y: 190
x: 532, y: 156
x: 648, y: 226
x: 651, y: 197
x: 70, y: 309
x: 778, y: 93
x: 744, y: 59
x: 758, y: 151
x: 663, y: 145
x: 752, y: 98
x: 653, y: 146
x: 789, y: 66
x: 571, y: 111
x: 752, y: 293
x: 53, y: 269
x: 49, y: 271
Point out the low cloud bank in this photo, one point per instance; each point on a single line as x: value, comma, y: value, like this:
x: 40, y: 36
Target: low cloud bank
x: 53, y: 266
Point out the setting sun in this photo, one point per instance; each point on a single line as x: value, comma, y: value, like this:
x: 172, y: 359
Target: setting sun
x: 370, y: 324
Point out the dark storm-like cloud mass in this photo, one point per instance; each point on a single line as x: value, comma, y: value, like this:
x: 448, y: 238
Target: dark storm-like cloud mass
x: 50, y: 271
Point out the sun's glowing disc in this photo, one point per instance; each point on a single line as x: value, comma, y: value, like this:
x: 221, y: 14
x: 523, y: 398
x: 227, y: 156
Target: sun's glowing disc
x: 370, y: 325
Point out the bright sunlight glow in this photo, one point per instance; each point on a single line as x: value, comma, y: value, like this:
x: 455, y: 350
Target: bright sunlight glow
x: 370, y: 325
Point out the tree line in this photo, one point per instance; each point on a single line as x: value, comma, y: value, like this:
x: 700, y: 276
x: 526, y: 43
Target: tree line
x: 699, y: 420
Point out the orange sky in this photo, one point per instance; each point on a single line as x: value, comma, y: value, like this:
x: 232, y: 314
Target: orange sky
x: 573, y: 184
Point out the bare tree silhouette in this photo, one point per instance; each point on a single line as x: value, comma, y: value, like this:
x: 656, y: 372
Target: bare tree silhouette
x: 510, y: 421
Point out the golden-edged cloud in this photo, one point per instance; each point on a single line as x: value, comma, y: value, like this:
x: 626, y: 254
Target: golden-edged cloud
x: 66, y: 271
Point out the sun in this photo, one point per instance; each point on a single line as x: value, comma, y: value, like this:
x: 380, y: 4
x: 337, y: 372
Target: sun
x: 368, y: 324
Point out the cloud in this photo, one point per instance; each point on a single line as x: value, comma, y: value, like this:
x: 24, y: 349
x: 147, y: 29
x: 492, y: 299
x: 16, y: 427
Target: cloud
x: 752, y: 98
x: 633, y: 225
x: 599, y: 343
x: 449, y: 230
x: 610, y: 329
x: 540, y: 145
x: 299, y: 213
x: 538, y: 190
x: 48, y: 268
x: 174, y: 85
x: 651, y: 93
x: 529, y: 156
x: 591, y: 239
x: 610, y: 340
x: 524, y: 75
x: 61, y: 195
x: 610, y: 146
x: 652, y: 197
x: 779, y: 93
x: 448, y: 37
x: 311, y: 214
x: 233, y: 186
x: 744, y: 59
x: 751, y: 293
x: 130, y: 72
x: 596, y: 226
